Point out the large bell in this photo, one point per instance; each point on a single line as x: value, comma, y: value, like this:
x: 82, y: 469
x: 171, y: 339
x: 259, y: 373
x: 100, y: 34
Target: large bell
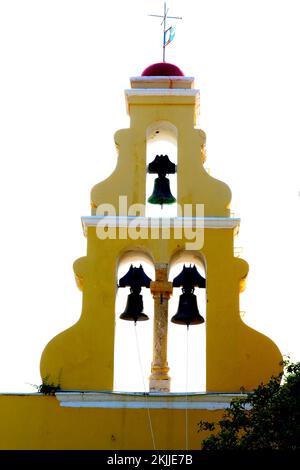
x: 134, y: 308
x: 161, y: 192
x: 135, y: 278
x: 187, y: 313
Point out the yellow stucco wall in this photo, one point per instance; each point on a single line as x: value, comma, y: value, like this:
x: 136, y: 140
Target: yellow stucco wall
x: 38, y: 422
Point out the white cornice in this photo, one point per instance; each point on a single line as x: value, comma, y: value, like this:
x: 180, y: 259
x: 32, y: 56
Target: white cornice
x: 206, y: 401
x: 161, y: 92
x: 162, y: 82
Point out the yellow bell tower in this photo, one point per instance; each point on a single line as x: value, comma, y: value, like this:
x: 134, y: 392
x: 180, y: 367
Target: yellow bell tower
x: 164, y: 102
x: 81, y: 409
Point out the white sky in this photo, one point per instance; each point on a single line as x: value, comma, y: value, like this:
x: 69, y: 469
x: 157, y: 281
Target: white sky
x: 64, y: 66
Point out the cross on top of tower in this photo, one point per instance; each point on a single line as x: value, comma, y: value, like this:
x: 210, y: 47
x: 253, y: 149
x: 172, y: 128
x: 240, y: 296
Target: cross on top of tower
x: 168, y: 33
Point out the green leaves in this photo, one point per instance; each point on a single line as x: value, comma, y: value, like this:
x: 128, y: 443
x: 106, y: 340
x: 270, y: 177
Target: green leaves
x: 268, y: 418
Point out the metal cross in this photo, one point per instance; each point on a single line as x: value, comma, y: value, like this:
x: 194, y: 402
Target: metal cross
x: 165, y: 17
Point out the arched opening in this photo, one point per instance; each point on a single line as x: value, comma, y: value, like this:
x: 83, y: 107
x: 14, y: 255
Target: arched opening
x: 181, y: 342
x: 161, y: 140
x: 133, y: 342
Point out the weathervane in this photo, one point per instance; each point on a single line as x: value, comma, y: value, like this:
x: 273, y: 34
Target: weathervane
x: 169, y: 33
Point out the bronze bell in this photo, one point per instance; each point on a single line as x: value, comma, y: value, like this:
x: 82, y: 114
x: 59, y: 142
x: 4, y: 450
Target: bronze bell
x: 135, y: 278
x: 188, y: 312
x: 134, y: 308
x: 161, y: 192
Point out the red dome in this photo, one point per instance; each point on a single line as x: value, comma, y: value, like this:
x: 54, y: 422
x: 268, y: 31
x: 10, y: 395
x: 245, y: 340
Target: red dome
x: 162, y: 69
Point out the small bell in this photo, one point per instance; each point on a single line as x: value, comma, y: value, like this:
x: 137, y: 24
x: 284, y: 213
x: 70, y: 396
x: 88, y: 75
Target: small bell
x: 161, y: 192
x: 134, y: 308
x: 188, y: 312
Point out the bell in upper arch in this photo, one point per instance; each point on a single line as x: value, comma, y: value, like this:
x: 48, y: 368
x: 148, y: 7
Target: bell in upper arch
x: 161, y: 192
x: 162, y: 166
x: 134, y: 308
x: 188, y: 312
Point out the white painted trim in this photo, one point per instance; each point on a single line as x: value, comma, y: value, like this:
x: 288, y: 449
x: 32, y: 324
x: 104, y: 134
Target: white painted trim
x: 146, y: 404
x: 151, y: 400
x: 160, y: 222
x: 154, y: 81
x: 162, y: 92
x: 160, y: 78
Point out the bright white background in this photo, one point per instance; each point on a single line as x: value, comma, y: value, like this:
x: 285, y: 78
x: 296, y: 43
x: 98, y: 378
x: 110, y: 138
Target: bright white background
x: 64, y: 66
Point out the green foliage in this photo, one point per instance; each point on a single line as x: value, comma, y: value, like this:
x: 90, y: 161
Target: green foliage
x: 268, y: 418
x: 48, y: 388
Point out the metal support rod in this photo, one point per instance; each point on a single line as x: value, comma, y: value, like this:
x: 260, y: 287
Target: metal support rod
x: 165, y: 26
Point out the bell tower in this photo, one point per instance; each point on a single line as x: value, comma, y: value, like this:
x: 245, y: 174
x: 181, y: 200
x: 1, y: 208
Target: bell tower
x: 162, y: 100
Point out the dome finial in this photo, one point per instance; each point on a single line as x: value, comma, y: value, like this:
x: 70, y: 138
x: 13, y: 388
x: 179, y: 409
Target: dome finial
x: 169, y: 33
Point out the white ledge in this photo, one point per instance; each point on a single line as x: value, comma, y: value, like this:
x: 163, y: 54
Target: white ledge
x: 162, y: 82
x: 205, y: 401
x: 162, y: 92
x: 160, y: 222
